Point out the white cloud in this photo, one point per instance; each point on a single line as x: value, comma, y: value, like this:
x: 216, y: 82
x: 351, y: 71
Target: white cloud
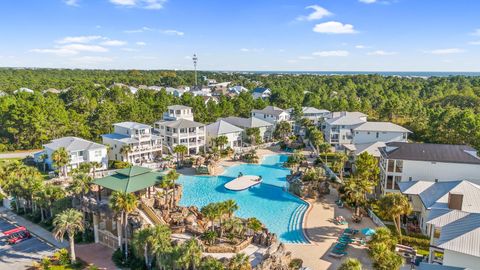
x: 318, y: 13
x: 84, y: 48
x: 141, y: 43
x: 306, y: 57
x: 129, y: 50
x: 381, y: 53
x: 333, y: 27
x: 361, y: 46
x: 368, y: 1
x: 113, y: 42
x: 78, y: 39
x: 251, y: 49
x: 172, y: 32
x: 338, y: 53
x: 476, y: 32
x: 474, y: 42
x: 139, y: 30
x: 92, y: 59
x: 445, y: 51
x: 73, y: 3
x: 146, y: 4
x: 57, y: 51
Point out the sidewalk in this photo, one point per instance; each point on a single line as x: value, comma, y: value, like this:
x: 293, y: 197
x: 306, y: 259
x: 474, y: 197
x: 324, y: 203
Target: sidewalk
x: 32, y: 227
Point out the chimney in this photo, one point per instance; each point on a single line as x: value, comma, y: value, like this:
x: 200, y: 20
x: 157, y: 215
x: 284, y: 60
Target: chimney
x: 455, y: 201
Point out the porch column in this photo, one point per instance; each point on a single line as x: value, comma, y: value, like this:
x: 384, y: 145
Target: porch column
x: 95, y: 228
x: 119, y: 233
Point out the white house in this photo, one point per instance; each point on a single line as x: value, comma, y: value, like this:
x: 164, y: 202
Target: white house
x: 427, y: 196
x: 261, y: 92
x: 24, y: 90
x: 266, y: 128
x: 236, y: 90
x: 455, y: 234
x: 178, y: 92
x: 338, y: 127
x: 401, y: 162
x: 223, y: 128
x: 271, y: 114
x: 178, y: 128
x: 80, y: 151
x: 133, y: 142
x: 371, y: 132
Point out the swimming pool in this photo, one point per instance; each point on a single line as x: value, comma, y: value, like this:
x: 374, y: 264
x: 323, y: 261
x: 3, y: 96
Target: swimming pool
x: 280, y: 211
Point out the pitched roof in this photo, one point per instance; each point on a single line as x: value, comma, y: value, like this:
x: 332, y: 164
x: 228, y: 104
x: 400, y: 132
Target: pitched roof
x: 260, y: 90
x: 435, y: 195
x: 130, y: 180
x: 222, y: 127
x: 73, y: 144
x: 449, y: 153
x: 431, y: 266
x: 120, y: 137
x: 251, y: 122
x: 381, y: 126
x: 346, y: 118
x: 181, y: 123
x: 270, y: 110
x: 132, y: 125
x: 371, y: 148
x: 178, y: 107
x: 314, y: 110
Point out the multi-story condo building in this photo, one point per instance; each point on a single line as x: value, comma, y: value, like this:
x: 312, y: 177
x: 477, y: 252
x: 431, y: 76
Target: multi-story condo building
x: 338, y: 127
x: 401, y: 162
x: 80, y: 151
x: 133, y: 142
x: 178, y: 128
x: 265, y: 128
x: 271, y: 114
x: 317, y: 116
x: 372, y: 132
x: 223, y: 128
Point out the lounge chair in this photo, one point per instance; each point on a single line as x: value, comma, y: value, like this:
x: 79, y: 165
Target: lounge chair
x: 350, y: 231
x: 337, y: 254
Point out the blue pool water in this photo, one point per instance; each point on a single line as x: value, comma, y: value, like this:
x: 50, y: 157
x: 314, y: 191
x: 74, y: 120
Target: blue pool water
x: 280, y: 211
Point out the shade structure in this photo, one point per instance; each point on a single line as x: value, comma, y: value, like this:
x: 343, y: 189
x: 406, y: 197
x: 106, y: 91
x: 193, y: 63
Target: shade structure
x: 368, y: 231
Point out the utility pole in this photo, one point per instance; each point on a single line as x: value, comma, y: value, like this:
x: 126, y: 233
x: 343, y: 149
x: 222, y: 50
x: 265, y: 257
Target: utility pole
x: 195, y: 60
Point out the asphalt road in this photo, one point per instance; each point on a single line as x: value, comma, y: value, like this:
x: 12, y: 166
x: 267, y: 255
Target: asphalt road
x: 21, y: 255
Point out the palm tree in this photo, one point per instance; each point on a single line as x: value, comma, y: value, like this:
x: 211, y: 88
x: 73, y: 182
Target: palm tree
x: 44, y: 158
x: 239, y: 262
x: 70, y: 222
x: 282, y: 130
x: 339, y: 164
x: 125, y: 150
x: 181, y: 151
x: 80, y: 185
x: 210, y: 263
x: 230, y: 206
x: 95, y: 165
x: 209, y: 211
x: 190, y: 254
x: 235, y: 226
x: 123, y: 203
x: 152, y: 241
x: 47, y: 196
x: 351, y: 264
x: 172, y: 176
x: 254, y: 225
x: 356, y: 190
x: 395, y: 205
x: 61, y: 158
x: 221, y: 141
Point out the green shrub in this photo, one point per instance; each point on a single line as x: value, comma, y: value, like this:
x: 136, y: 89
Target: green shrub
x: 295, y: 264
x: 62, y: 257
x: 415, y: 242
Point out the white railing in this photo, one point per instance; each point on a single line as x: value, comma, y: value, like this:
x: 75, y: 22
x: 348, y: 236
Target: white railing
x: 375, y: 219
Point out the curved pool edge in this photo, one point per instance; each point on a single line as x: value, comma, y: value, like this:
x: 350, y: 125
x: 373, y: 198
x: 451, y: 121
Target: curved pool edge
x: 304, y: 221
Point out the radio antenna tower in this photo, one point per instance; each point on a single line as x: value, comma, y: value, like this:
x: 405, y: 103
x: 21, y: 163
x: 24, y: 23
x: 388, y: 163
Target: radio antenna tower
x: 195, y: 60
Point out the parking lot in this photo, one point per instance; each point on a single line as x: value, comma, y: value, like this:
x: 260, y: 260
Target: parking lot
x: 23, y: 254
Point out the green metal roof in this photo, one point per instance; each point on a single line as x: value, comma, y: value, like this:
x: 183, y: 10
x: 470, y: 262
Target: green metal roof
x: 130, y: 180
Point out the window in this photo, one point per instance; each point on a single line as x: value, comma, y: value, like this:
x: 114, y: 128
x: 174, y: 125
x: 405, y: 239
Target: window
x: 404, y: 136
x: 389, y: 182
x: 397, y: 179
x: 399, y: 166
x: 391, y: 165
x: 410, y: 178
x: 98, y: 153
x: 377, y: 135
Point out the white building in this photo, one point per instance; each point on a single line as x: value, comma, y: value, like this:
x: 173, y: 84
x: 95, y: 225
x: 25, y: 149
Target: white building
x: 271, y: 114
x: 177, y: 92
x: 80, y: 151
x: 261, y: 92
x: 338, y: 127
x: 236, y: 90
x: 372, y: 132
x: 266, y: 128
x: 401, y: 162
x: 133, y: 142
x: 178, y: 128
x: 223, y: 128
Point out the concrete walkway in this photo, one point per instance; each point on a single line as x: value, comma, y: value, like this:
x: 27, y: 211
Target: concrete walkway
x: 33, y: 228
x: 323, y: 232
x: 19, y: 154
x: 96, y: 254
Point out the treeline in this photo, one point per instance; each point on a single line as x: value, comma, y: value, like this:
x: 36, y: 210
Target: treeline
x: 441, y: 110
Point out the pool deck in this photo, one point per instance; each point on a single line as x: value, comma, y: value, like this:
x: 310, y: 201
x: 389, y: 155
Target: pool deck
x: 243, y: 182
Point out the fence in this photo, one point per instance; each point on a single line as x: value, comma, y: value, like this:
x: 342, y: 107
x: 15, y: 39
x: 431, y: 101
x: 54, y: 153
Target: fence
x: 375, y: 219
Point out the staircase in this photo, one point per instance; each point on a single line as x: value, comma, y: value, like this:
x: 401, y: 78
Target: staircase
x: 153, y: 218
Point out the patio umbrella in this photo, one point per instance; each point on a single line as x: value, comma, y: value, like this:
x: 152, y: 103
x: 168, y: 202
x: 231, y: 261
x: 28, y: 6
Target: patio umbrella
x: 368, y: 231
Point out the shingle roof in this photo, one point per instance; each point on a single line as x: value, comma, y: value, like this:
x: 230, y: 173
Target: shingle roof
x: 130, y: 180
x: 178, y: 107
x: 251, y: 122
x: 270, y: 110
x: 449, y: 153
x: 73, y: 144
x: 181, y: 123
x: 381, y: 126
x: 371, y: 148
x: 435, y: 195
x: 222, y: 127
x: 132, y: 125
x: 346, y: 118
x: 313, y: 110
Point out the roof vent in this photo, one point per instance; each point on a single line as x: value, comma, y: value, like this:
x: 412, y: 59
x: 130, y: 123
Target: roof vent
x: 455, y: 201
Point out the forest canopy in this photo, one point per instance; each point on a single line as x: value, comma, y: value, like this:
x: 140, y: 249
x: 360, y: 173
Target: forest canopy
x: 435, y: 109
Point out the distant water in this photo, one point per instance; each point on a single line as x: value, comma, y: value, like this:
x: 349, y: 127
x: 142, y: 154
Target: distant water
x: 422, y: 74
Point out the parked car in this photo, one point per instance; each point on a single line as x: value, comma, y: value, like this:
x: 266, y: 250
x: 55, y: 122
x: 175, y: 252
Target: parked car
x: 17, y: 235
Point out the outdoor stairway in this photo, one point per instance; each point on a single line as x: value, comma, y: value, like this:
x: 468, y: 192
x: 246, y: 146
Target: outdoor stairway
x: 150, y: 213
x: 295, y: 223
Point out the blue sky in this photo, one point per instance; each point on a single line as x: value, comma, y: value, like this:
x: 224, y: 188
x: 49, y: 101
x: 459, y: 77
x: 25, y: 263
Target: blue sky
x: 337, y: 35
